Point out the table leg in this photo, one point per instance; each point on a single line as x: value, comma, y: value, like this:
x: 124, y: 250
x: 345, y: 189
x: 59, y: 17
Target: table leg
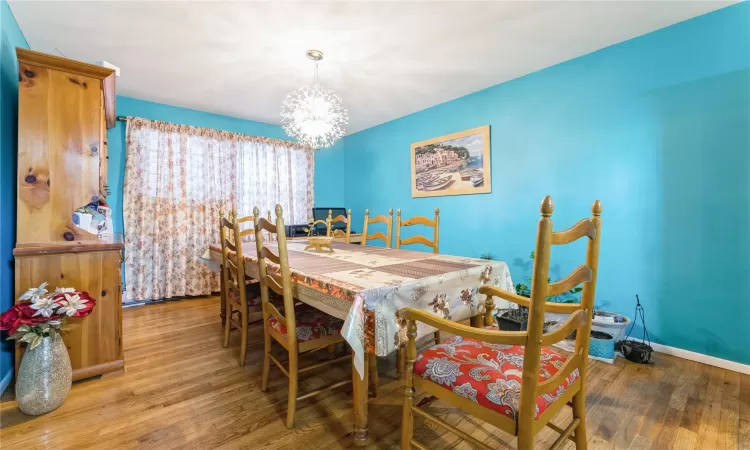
x: 373, y: 375
x: 223, y: 296
x: 359, y: 392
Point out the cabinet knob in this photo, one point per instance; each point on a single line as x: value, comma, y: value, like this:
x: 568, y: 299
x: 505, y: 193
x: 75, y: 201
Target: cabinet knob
x: 68, y: 236
x: 104, y: 293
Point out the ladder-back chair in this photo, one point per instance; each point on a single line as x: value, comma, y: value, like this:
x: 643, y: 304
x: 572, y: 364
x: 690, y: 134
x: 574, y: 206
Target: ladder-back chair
x: 526, y: 383
x: 241, y: 294
x: 388, y: 221
x: 338, y: 233
x: 301, y: 330
x: 418, y: 239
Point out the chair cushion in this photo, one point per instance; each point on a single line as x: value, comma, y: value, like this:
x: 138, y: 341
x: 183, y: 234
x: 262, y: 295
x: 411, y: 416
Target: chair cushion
x: 488, y: 374
x: 252, y: 292
x: 311, y: 324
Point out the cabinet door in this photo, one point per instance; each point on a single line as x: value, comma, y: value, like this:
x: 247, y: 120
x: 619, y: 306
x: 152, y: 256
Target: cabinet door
x: 93, y: 342
x: 59, y: 135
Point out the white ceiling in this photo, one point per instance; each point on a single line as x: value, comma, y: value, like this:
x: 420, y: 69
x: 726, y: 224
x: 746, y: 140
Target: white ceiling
x: 385, y: 59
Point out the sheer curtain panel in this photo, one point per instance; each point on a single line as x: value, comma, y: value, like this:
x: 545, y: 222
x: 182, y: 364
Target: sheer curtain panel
x: 177, y: 178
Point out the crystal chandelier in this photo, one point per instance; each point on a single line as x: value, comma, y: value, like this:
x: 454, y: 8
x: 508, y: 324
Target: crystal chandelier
x: 314, y: 115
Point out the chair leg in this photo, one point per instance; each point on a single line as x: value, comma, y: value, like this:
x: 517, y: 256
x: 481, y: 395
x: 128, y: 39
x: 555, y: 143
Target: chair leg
x: 407, y: 418
x: 266, y: 358
x: 437, y: 338
x: 579, y: 412
x: 243, y: 340
x: 227, y: 326
x: 292, y: 401
x: 525, y: 437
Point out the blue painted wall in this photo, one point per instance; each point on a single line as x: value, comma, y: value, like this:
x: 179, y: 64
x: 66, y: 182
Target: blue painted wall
x: 11, y: 38
x: 330, y: 172
x: 656, y: 127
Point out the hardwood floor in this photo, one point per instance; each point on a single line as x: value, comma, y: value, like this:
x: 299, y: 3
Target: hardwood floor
x: 181, y: 389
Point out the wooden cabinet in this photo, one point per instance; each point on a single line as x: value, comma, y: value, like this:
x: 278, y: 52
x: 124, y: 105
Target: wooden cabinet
x: 61, y: 131
x: 94, y: 342
x: 64, y: 110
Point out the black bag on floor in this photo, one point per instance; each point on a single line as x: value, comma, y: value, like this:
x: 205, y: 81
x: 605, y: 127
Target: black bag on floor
x: 638, y: 352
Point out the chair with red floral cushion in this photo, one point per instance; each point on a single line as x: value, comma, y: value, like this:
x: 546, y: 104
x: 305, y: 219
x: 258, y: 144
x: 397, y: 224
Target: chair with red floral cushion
x: 299, y: 330
x: 512, y: 379
x: 434, y: 244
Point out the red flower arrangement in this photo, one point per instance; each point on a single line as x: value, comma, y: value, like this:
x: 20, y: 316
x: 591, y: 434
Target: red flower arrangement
x: 44, y: 314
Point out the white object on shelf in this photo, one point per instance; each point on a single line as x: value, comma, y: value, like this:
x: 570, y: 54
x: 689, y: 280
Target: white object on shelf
x: 109, y: 65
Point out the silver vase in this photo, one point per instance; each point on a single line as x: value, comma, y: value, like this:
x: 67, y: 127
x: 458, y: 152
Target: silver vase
x: 44, y: 377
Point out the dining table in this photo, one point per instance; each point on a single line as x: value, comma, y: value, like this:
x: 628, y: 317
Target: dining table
x: 367, y: 285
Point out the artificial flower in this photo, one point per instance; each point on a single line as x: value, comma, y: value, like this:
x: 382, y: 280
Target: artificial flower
x: 64, y: 290
x: 10, y: 320
x: 71, y: 305
x: 45, y: 314
x: 88, y: 305
x: 44, y: 306
x: 34, y: 292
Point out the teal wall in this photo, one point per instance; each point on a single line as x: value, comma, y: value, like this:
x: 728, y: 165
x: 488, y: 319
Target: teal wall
x: 330, y: 177
x: 11, y: 37
x: 656, y: 127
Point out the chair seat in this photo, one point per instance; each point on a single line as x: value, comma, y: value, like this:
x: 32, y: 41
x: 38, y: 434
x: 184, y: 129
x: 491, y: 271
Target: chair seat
x: 311, y: 324
x: 488, y: 374
x: 252, y: 292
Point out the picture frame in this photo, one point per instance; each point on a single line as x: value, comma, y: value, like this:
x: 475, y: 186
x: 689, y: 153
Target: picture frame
x: 453, y: 164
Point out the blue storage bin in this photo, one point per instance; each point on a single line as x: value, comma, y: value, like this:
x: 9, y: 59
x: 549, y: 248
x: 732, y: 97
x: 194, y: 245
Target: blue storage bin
x: 602, y: 348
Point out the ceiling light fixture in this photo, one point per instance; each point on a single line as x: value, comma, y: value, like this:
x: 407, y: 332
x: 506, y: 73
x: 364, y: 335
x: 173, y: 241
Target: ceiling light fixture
x: 314, y: 115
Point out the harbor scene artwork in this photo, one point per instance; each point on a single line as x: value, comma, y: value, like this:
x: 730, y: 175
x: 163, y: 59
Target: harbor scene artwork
x: 455, y: 164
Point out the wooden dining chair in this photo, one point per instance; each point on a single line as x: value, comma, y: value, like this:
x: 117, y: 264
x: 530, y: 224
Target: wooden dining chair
x: 241, y: 294
x: 338, y: 233
x: 245, y: 225
x: 299, y: 330
x: 513, y: 379
x: 418, y: 239
x: 388, y: 221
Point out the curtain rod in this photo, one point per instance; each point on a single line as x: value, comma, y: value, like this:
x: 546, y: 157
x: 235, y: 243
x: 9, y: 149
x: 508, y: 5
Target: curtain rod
x: 126, y: 119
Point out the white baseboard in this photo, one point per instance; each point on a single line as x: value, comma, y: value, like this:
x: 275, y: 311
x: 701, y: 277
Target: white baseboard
x: 699, y: 357
x: 6, y: 380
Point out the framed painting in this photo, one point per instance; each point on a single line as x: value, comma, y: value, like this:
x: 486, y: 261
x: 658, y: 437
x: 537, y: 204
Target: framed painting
x: 454, y: 164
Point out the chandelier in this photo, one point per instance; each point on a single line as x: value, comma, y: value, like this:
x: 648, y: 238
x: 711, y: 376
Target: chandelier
x: 314, y: 115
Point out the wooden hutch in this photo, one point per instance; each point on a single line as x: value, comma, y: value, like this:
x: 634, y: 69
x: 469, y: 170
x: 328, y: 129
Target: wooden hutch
x: 64, y: 110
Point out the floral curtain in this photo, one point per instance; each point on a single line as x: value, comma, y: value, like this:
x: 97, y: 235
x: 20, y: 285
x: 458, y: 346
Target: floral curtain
x: 177, y: 178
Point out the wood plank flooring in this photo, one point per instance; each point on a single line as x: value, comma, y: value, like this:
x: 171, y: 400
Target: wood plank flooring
x: 183, y: 390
